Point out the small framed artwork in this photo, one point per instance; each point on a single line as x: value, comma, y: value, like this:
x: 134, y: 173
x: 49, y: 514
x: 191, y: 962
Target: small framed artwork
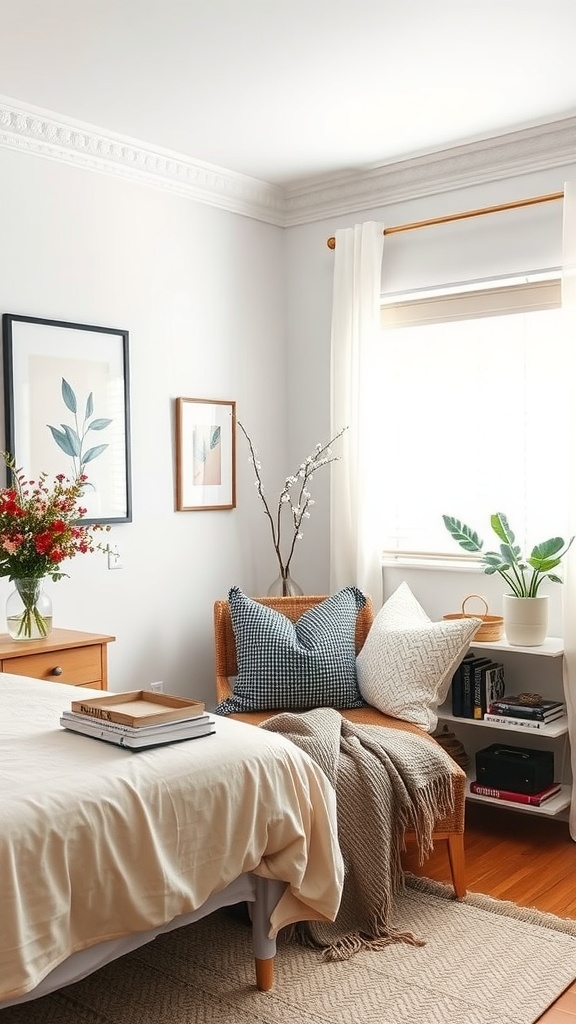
x: 67, y: 410
x: 205, y: 454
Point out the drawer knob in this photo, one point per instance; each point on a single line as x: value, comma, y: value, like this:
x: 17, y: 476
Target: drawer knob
x: 56, y: 671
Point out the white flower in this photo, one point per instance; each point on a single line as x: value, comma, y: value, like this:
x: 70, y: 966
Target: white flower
x: 299, y: 503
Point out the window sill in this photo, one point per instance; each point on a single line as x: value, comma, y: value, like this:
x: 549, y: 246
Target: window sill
x: 437, y: 564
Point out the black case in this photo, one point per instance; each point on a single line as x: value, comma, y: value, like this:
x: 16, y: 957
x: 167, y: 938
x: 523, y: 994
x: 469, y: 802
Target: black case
x: 519, y: 769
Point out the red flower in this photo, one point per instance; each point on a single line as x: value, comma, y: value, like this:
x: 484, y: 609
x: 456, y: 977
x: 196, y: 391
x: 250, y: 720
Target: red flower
x: 43, y: 542
x: 39, y: 525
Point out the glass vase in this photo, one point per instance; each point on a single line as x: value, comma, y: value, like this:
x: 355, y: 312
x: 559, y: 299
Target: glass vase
x: 28, y: 610
x: 285, y: 586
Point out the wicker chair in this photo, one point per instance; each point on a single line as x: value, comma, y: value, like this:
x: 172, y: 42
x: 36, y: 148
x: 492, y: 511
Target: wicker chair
x: 450, y: 829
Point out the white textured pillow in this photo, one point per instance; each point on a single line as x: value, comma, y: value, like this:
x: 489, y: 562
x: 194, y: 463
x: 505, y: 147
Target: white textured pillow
x: 407, y: 662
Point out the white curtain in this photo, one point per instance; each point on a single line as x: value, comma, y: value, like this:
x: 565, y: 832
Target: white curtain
x: 569, y: 590
x: 355, y: 556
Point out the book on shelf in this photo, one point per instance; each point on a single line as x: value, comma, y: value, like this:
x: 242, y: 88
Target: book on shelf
x: 545, y: 711
x: 488, y: 686
x: 522, y: 723
x: 138, y: 738
x: 475, y: 683
x: 468, y: 667
x: 532, y: 799
x: 456, y: 691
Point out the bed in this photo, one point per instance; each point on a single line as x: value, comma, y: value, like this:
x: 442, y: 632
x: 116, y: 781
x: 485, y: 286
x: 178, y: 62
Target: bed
x: 101, y: 848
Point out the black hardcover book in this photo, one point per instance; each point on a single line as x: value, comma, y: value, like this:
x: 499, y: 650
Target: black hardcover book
x: 542, y: 712
x: 467, y: 688
x: 479, y: 665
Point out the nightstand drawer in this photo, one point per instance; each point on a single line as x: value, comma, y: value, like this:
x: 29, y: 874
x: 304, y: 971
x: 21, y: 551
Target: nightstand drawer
x: 79, y: 666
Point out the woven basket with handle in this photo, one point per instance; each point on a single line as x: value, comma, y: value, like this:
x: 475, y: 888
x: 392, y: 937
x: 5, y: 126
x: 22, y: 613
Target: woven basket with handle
x: 492, y: 627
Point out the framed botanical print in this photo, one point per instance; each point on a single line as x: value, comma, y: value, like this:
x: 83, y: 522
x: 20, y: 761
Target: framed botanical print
x: 66, y: 398
x: 205, y: 454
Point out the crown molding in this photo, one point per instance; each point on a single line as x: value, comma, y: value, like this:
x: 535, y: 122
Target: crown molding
x: 46, y: 134
x: 532, y: 149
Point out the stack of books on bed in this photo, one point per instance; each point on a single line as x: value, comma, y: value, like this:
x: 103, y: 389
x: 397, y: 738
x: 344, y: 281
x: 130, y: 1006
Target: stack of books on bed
x: 139, y: 719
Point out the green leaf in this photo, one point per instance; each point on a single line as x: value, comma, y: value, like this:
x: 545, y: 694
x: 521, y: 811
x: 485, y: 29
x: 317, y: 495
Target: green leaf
x: 93, y: 453
x: 73, y: 439
x: 100, y: 424
x: 462, y: 534
x: 68, y: 396
x: 548, y: 548
x: 511, y: 554
x: 501, y: 527
x: 543, y: 564
x: 214, y: 437
x: 61, y: 440
x: 495, y: 559
x: 89, y: 406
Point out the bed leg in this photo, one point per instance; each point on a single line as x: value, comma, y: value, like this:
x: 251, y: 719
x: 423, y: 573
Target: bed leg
x: 264, y: 974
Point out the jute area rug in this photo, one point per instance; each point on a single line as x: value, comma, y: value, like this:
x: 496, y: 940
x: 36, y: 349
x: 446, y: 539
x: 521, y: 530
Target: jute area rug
x: 484, y: 962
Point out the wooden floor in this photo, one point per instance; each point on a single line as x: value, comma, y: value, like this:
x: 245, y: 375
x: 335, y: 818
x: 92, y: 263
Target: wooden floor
x: 525, y: 858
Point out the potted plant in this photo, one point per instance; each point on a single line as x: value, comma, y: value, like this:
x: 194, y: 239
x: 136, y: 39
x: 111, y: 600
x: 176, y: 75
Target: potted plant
x: 525, y: 610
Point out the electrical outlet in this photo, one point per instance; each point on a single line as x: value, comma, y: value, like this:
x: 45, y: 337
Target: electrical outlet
x: 114, y: 559
x: 157, y: 687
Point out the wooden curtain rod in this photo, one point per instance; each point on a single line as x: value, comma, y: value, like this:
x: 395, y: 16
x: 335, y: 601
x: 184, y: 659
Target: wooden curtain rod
x: 534, y: 201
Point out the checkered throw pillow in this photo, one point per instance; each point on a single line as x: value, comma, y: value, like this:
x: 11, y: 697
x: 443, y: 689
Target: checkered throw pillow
x: 284, y: 665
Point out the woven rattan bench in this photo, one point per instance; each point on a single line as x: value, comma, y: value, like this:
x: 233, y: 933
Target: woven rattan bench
x: 450, y: 829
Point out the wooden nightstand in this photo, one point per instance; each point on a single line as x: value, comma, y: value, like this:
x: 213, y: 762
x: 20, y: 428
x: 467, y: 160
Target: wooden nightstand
x: 65, y: 656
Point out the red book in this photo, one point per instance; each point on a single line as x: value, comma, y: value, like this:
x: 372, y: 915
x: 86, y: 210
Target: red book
x: 534, y: 799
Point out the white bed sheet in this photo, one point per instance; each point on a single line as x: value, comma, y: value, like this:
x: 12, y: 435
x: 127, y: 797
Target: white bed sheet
x: 98, y: 843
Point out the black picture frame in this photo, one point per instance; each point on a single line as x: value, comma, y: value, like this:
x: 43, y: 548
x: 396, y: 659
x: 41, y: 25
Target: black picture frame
x: 67, y: 408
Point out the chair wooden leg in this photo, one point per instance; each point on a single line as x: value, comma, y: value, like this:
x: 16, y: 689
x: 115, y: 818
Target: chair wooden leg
x: 264, y: 974
x: 457, y: 863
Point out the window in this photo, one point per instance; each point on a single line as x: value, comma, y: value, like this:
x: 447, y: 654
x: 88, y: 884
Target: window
x: 475, y: 392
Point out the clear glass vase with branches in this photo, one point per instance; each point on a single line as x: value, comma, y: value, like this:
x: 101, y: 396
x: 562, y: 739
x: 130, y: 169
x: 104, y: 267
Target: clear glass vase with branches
x: 295, y: 496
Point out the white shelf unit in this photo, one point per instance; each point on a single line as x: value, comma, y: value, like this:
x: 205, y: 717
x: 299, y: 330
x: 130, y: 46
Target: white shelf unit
x: 538, y: 669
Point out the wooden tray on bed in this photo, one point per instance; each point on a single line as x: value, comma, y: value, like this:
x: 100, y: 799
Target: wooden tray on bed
x: 139, y: 707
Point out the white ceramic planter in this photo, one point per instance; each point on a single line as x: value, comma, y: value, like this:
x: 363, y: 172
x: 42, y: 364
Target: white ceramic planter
x: 525, y: 620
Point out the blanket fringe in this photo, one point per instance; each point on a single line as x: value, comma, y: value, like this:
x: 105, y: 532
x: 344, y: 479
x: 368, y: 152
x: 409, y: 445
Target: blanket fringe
x: 355, y: 942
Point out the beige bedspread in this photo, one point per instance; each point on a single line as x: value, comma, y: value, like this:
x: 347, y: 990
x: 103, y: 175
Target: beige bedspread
x: 97, y: 842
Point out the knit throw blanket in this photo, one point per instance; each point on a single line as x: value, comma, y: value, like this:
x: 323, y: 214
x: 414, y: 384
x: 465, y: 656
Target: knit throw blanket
x: 386, y: 781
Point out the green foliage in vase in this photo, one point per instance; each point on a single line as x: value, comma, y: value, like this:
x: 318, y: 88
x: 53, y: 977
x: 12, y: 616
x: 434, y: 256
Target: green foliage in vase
x: 523, y: 573
x: 72, y: 440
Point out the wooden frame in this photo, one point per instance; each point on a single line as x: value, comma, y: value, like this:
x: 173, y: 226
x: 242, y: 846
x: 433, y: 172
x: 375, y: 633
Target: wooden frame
x: 205, y: 454
x: 66, y: 407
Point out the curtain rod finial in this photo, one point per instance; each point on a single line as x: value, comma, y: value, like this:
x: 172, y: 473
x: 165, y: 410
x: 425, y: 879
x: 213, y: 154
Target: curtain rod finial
x: 331, y: 242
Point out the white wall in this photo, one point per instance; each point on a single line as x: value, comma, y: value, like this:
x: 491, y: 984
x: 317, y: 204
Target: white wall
x: 414, y: 259
x: 217, y: 306
x: 201, y: 293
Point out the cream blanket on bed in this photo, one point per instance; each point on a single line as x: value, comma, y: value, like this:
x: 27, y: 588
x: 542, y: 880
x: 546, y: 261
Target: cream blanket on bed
x: 386, y: 781
x: 98, y: 843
